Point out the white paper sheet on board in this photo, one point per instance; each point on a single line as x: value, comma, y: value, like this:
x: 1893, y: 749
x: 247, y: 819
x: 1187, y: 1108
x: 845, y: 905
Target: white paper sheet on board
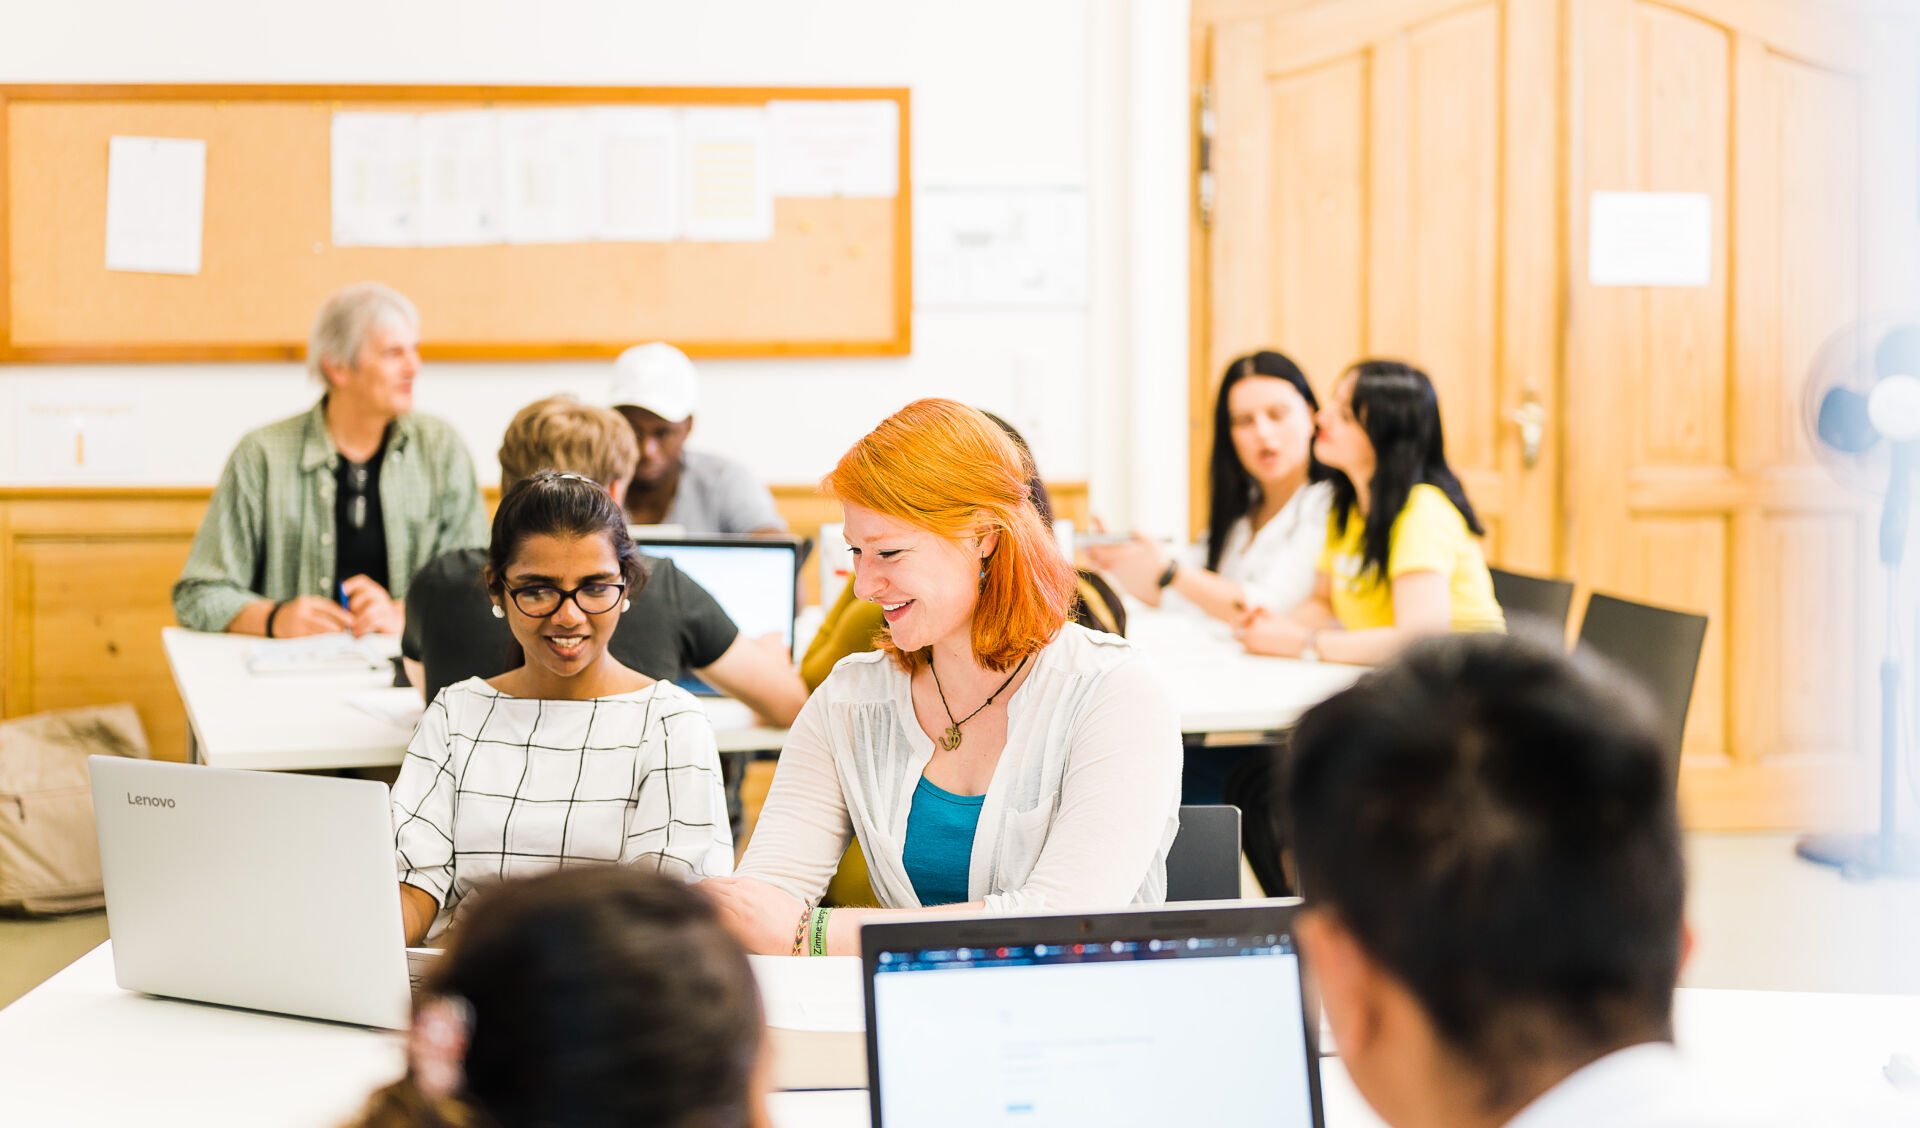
x: 987, y: 247
x: 822, y: 148
x: 67, y: 435
x: 461, y: 201
x: 1650, y: 239
x: 728, y: 195
x: 156, y: 199
x: 640, y: 182
x: 376, y: 180
x: 552, y: 178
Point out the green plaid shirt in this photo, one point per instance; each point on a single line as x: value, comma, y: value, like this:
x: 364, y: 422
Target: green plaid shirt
x: 269, y: 529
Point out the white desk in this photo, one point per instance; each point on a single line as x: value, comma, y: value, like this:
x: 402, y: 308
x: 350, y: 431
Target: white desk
x: 78, y: 1050
x: 297, y: 722
x: 294, y: 722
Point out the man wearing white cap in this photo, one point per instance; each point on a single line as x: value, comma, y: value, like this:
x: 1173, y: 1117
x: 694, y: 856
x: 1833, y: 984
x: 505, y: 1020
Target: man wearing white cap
x: 654, y: 388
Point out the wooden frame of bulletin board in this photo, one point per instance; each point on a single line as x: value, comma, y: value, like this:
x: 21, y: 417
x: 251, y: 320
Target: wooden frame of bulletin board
x: 835, y: 279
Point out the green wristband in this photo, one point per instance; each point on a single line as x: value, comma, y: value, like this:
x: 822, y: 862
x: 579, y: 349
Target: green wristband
x: 817, y: 946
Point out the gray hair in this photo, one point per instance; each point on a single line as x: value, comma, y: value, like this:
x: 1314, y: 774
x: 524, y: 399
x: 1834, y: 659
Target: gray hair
x: 341, y: 328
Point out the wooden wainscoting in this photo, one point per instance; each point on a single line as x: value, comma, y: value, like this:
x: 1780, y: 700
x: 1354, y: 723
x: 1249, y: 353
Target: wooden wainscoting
x: 87, y: 573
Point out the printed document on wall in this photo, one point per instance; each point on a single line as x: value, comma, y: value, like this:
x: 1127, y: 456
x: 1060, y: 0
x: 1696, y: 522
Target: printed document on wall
x: 639, y: 173
x: 461, y: 202
x: 985, y: 247
x: 823, y: 148
x: 729, y: 195
x: 376, y: 180
x: 552, y: 179
x: 156, y: 199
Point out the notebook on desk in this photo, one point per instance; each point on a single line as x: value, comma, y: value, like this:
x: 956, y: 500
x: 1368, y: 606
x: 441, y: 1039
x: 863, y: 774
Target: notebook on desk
x: 264, y: 890
x: 1194, y: 1014
x: 752, y: 578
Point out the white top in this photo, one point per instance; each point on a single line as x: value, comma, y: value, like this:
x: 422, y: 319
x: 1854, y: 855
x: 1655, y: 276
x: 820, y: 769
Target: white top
x: 1275, y: 568
x: 1082, y: 806
x: 1652, y: 1085
x: 495, y: 786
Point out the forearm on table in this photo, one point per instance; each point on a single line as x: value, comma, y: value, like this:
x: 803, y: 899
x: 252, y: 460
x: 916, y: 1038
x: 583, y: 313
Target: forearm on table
x: 843, y: 925
x: 1368, y: 647
x: 1211, y: 592
x: 251, y: 619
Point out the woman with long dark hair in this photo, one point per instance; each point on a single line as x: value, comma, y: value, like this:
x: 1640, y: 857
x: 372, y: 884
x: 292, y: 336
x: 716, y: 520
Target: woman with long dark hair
x: 1402, y: 555
x: 1266, y: 518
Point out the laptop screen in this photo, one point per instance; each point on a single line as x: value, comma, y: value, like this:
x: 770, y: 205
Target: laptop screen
x: 1162, y: 1027
x: 752, y: 579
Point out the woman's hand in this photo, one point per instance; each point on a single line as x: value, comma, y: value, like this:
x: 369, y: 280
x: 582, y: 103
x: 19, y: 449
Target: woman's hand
x: 761, y: 917
x: 1263, y: 632
x: 1137, y: 564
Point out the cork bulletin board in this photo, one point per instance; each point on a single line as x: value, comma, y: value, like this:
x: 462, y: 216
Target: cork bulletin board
x: 835, y: 278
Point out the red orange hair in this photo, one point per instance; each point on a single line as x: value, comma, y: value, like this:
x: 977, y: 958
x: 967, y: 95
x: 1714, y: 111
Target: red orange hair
x: 946, y: 468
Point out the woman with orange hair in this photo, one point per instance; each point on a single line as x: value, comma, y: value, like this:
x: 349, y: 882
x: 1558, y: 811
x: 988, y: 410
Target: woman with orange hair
x: 991, y: 755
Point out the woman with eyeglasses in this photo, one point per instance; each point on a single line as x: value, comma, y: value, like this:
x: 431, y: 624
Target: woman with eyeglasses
x: 571, y: 758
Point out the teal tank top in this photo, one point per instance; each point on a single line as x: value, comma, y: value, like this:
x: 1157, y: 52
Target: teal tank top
x: 938, y: 850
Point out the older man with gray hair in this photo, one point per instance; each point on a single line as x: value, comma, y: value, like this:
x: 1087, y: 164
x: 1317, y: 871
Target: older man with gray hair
x: 320, y: 521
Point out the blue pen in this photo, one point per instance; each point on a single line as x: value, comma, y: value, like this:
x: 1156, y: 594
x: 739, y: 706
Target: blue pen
x: 342, y: 589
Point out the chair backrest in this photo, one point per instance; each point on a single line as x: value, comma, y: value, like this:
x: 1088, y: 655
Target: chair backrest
x: 1659, y: 646
x: 1204, y: 861
x: 1533, y: 597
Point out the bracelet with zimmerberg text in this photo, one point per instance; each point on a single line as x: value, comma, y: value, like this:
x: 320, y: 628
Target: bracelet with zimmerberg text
x: 819, y: 944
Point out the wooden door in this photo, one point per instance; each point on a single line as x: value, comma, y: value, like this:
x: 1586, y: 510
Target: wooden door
x: 1385, y: 176
x: 1689, y: 481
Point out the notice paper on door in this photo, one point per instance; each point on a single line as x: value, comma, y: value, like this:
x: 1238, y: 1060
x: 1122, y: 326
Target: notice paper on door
x: 156, y: 199
x: 1650, y: 239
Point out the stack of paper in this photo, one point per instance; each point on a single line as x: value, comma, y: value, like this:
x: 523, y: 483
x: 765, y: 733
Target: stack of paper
x: 315, y: 654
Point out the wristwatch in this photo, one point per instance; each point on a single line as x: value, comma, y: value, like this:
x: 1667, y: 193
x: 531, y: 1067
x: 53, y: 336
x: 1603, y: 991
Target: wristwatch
x: 1308, y: 651
x: 1166, y: 577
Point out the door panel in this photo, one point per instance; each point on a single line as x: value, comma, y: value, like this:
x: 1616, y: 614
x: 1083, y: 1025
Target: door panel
x: 1411, y: 178
x: 1690, y: 482
x: 1367, y: 157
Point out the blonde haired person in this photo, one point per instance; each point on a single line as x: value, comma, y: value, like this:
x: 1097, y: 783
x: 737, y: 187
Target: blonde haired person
x: 675, y: 625
x: 990, y: 756
x: 320, y: 521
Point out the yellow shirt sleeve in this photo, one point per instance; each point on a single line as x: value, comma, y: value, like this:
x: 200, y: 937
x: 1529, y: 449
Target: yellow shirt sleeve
x: 848, y: 629
x: 1428, y: 536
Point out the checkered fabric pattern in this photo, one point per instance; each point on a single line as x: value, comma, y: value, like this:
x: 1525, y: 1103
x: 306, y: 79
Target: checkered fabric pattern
x: 495, y: 786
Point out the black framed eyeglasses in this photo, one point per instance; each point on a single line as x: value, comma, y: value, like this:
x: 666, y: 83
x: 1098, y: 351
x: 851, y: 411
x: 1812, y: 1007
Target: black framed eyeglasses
x: 542, y: 601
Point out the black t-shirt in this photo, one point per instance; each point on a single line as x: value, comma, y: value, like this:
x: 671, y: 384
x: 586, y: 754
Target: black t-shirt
x: 360, y: 546
x: 675, y: 625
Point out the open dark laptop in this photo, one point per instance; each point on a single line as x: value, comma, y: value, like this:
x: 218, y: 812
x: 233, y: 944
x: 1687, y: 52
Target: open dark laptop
x: 752, y: 578
x: 1192, y: 1014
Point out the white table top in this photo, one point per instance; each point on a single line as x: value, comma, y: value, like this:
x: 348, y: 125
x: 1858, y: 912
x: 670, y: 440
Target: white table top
x: 78, y: 1050
x: 294, y: 722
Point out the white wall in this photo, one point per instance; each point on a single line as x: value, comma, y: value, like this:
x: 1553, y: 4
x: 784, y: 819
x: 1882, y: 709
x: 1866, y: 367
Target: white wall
x: 1005, y: 93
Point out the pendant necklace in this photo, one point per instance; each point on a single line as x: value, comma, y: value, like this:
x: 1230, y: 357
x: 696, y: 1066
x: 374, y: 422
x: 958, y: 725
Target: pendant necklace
x: 951, y: 740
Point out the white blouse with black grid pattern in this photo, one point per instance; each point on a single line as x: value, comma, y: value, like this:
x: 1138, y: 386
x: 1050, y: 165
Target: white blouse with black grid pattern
x: 495, y: 786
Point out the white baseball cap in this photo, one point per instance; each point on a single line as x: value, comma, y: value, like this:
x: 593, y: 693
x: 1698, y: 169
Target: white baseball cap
x: 657, y: 378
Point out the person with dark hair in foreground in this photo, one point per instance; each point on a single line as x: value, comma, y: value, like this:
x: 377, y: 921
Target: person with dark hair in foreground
x: 584, y: 997
x: 1485, y: 832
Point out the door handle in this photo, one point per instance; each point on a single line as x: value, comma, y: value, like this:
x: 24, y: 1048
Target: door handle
x: 1531, y: 418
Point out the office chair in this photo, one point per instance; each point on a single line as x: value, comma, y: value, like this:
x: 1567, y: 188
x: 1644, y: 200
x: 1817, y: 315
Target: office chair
x: 1204, y: 861
x: 1533, y: 599
x: 1658, y: 646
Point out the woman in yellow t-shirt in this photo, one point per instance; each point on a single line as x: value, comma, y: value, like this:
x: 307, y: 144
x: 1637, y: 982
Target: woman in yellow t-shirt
x: 1403, y: 553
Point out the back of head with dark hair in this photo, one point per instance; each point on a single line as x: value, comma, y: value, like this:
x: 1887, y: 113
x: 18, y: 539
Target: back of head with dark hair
x: 1232, y: 492
x: 1496, y: 825
x: 554, y: 503
x: 600, y: 997
x: 1395, y: 403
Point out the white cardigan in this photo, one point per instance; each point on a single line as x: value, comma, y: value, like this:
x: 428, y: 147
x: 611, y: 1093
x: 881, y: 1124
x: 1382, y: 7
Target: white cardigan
x: 1083, y: 804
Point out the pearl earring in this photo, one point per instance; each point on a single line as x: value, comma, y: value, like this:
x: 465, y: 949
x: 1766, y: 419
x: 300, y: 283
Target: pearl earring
x: 498, y: 612
x: 626, y: 605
